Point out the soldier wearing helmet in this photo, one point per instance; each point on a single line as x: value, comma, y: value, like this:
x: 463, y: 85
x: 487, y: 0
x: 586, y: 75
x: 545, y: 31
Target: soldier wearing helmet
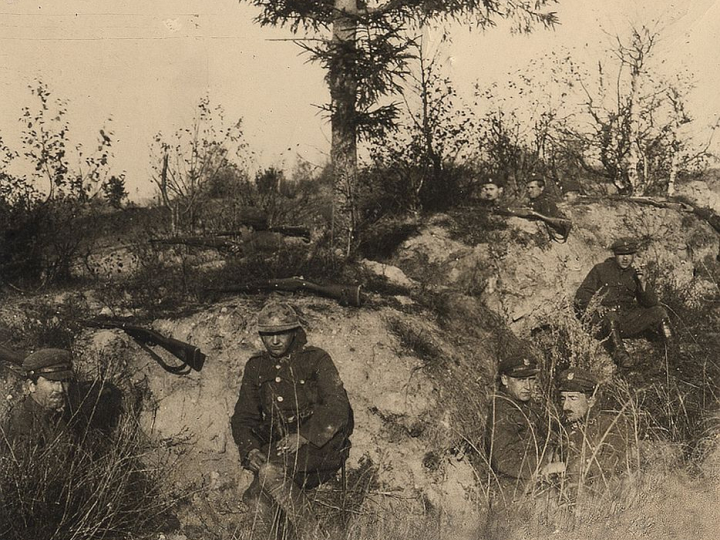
x: 628, y: 306
x: 292, y: 420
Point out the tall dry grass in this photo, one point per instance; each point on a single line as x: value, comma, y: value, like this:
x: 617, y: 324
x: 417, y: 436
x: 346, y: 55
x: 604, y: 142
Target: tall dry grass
x: 106, y: 483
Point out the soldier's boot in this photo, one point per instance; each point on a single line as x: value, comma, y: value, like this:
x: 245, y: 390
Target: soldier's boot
x: 619, y: 352
x: 291, y: 499
x: 261, y: 506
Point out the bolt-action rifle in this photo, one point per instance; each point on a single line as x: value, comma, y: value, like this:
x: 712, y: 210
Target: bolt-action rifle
x: 190, y: 355
x: 346, y: 295
x: 207, y: 242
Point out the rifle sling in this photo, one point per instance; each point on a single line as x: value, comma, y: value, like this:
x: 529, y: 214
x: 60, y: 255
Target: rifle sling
x: 182, y: 369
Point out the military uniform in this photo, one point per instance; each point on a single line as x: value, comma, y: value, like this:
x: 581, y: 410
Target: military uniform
x: 32, y: 428
x: 633, y: 308
x: 596, y: 451
x: 516, y: 437
x: 515, y: 441
x: 301, y: 393
x: 594, y: 448
x: 543, y: 204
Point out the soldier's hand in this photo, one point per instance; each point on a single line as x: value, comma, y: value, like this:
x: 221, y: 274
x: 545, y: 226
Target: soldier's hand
x: 556, y: 467
x: 290, y: 444
x: 640, y: 273
x: 522, y: 211
x: 256, y: 458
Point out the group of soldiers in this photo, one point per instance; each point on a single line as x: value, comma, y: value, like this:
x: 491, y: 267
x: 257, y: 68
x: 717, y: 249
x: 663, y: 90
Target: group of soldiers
x: 538, y: 206
x: 292, y: 421
x: 587, y: 449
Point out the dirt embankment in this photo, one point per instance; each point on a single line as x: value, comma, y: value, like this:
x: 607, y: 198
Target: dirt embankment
x: 403, y: 429
x: 524, y: 277
x: 417, y: 368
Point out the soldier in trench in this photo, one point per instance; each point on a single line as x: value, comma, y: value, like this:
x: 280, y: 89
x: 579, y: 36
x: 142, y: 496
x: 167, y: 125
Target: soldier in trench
x: 628, y: 306
x: 292, y: 420
x: 595, y: 447
x: 60, y: 415
x: 517, y: 440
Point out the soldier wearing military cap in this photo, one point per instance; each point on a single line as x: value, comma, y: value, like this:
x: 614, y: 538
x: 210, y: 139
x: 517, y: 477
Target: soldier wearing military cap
x: 41, y: 419
x: 491, y: 191
x: 627, y: 307
x: 292, y: 419
x: 542, y: 207
x: 595, y: 443
x: 516, y: 438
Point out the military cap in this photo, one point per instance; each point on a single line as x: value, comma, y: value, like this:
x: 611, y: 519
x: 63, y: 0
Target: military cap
x: 577, y: 380
x: 491, y: 180
x: 52, y: 364
x: 277, y: 317
x: 519, y: 366
x: 624, y: 246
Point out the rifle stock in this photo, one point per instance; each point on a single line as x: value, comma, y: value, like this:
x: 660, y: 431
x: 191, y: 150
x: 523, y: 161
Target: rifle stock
x: 189, y: 354
x: 346, y: 295
x: 11, y: 356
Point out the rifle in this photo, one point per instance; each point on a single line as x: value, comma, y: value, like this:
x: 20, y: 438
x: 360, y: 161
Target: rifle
x: 190, y: 355
x: 346, y: 295
x: 285, y: 230
x: 11, y: 356
x: 212, y: 242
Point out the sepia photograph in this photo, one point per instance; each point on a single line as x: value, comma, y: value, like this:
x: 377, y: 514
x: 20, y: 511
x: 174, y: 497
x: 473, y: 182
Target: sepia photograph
x: 359, y: 269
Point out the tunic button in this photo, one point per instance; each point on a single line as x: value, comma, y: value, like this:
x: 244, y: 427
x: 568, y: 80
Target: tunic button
x: 277, y: 366
x: 280, y: 398
x: 277, y: 379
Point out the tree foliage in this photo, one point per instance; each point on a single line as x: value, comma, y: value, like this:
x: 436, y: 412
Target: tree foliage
x: 197, y: 162
x: 420, y: 164
x: 632, y: 123
x: 50, y: 192
x: 366, y: 58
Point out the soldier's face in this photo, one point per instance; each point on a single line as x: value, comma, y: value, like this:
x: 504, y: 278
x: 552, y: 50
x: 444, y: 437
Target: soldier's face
x: 519, y: 389
x: 534, y: 189
x: 625, y: 260
x: 278, y: 343
x: 49, y: 394
x: 575, y: 405
x: 490, y: 192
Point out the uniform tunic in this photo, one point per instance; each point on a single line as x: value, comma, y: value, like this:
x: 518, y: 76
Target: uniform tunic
x: 515, y: 440
x: 31, y: 428
x: 597, y: 450
x: 544, y: 205
x: 300, y: 393
x: 634, y: 308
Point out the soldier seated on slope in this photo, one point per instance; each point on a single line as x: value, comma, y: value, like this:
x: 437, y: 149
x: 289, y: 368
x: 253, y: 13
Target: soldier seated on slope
x: 628, y: 306
x: 595, y: 447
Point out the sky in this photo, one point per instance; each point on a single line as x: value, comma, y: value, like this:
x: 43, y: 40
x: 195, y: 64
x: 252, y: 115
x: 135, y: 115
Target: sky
x: 146, y: 64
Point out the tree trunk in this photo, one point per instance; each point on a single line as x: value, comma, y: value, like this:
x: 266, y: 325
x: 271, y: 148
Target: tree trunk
x: 674, y: 166
x: 633, y: 156
x: 343, y: 152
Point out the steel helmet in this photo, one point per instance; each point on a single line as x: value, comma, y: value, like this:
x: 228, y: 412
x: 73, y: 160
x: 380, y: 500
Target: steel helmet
x: 277, y: 317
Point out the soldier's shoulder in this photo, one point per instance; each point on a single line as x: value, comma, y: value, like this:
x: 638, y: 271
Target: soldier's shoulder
x: 315, y: 352
x: 20, y: 415
x: 256, y: 360
x: 506, y: 407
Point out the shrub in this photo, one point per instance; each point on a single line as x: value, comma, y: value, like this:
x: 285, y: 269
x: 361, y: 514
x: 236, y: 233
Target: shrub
x: 97, y: 489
